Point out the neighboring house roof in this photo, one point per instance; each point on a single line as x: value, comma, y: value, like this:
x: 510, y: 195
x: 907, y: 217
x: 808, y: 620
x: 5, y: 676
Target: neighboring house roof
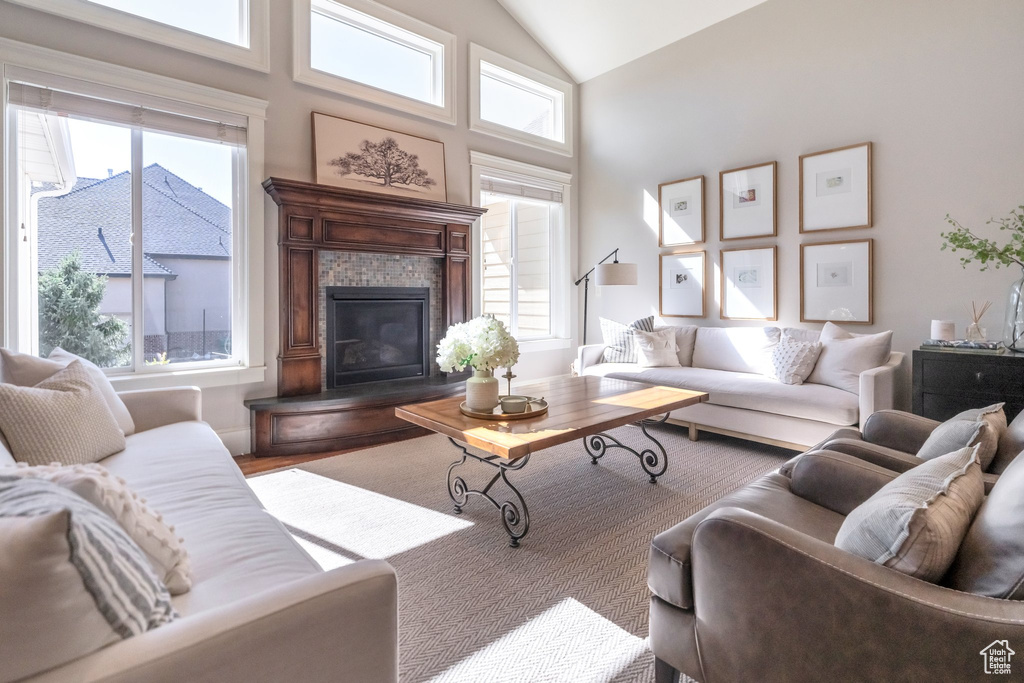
x: 180, y: 220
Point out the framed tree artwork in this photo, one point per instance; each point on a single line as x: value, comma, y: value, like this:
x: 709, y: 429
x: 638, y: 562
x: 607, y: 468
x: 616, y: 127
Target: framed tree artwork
x: 682, y: 276
x: 746, y: 198
x: 681, y: 212
x: 835, y: 189
x: 835, y: 282
x: 363, y: 157
x: 748, y: 284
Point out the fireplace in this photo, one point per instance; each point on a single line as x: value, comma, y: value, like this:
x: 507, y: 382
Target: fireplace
x: 376, y: 334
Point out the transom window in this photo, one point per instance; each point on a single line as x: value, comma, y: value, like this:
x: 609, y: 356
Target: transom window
x: 225, y: 20
x: 371, y: 52
x: 513, y: 101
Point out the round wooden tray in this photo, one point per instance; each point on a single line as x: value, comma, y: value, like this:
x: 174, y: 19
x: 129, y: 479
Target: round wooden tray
x: 535, y: 408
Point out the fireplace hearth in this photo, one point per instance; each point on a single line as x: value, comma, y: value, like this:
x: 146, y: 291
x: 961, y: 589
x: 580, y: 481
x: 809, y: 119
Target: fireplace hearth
x: 376, y: 334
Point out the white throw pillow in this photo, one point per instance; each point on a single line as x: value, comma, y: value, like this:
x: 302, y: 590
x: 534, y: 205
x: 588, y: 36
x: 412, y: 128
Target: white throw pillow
x: 618, y: 339
x: 845, y: 355
x: 26, y: 370
x: 657, y: 349
x: 111, y: 494
x: 792, y: 360
x: 62, y: 419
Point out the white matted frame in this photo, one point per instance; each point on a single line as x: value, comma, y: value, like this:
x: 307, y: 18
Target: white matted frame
x: 836, y: 282
x: 748, y: 284
x: 681, y: 212
x: 253, y: 52
x: 683, y: 276
x: 835, y: 189
x: 746, y: 199
x: 389, y: 23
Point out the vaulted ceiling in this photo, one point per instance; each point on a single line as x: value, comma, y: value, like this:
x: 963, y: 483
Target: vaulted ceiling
x: 590, y: 37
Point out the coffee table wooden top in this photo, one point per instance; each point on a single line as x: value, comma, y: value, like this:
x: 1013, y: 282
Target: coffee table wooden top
x: 578, y: 407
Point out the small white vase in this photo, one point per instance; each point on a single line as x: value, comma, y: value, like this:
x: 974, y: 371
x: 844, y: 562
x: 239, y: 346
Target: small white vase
x: 482, y: 391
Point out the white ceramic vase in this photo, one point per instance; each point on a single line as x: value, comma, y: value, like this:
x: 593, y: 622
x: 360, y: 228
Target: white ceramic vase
x: 482, y: 391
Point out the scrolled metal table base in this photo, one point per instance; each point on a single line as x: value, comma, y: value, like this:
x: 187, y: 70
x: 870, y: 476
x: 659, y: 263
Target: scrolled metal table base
x: 514, y: 515
x: 654, y: 462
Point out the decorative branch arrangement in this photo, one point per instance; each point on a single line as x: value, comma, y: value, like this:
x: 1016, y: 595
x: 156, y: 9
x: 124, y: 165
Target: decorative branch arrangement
x: 986, y: 251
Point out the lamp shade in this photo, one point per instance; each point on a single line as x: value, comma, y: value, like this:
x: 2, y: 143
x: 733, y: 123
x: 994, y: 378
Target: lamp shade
x: 616, y: 274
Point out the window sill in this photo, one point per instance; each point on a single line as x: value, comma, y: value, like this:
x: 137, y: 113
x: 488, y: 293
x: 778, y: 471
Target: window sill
x: 202, y: 378
x: 537, y: 345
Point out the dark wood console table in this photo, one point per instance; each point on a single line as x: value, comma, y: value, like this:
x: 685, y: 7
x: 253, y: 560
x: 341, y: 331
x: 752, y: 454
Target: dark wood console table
x: 948, y: 382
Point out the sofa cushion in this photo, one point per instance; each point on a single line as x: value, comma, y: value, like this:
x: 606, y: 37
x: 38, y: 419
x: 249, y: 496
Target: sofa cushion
x: 1011, y: 444
x: 686, y: 335
x: 236, y: 548
x: 845, y: 355
x: 656, y: 349
x: 793, y: 360
x: 99, y: 378
x: 744, y: 390
x: 802, y: 334
x: 916, y: 523
x: 950, y: 436
x: 669, y: 569
x: 990, y: 560
x: 618, y: 338
x: 736, y: 349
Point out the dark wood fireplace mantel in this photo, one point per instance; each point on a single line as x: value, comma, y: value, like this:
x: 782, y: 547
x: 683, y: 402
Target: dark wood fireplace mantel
x: 313, y: 218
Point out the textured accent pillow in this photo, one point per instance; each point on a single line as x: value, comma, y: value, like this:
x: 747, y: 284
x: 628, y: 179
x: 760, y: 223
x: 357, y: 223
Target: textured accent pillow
x: 844, y: 356
x: 995, y: 422
x: 618, y: 339
x: 27, y: 370
x: 657, y: 349
x: 63, y: 419
x: 73, y: 582
x: 686, y: 335
x: 111, y: 494
x: 793, y: 361
x: 915, y: 523
x: 949, y: 436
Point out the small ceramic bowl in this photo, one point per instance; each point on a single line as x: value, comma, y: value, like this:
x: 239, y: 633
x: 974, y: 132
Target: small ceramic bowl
x: 514, y: 404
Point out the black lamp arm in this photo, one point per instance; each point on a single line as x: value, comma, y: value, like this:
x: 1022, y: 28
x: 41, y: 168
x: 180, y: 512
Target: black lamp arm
x: 587, y: 274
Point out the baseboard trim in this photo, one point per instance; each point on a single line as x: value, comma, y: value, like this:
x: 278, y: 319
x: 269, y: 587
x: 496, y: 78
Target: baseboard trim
x: 738, y: 435
x: 236, y: 440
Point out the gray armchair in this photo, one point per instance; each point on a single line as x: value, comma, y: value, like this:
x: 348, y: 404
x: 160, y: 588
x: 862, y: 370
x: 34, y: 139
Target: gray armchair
x: 752, y: 587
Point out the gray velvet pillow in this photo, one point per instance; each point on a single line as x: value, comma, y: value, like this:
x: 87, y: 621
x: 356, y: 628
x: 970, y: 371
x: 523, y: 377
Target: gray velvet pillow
x: 915, y: 523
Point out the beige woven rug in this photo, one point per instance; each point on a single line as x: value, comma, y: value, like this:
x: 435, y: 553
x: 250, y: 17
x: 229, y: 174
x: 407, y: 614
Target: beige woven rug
x: 569, y: 605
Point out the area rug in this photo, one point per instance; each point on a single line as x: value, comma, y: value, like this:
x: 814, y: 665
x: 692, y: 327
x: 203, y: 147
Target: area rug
x: 570, y: 604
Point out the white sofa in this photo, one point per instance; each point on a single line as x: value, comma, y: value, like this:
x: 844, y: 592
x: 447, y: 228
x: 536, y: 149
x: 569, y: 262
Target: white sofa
x: 728, y: 363
x: 260, y: 609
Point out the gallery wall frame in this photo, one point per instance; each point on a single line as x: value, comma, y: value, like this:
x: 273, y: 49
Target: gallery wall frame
x: 339, y: 145
x: 836, y: 282
x: 747, y: 202
x: 835, y: 189
x: 748, y: 283
x: 681, y: 212
x: 682, y: 289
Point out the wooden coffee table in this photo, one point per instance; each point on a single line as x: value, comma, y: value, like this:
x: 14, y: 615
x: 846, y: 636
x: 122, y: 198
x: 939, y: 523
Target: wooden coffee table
x: 579, y: 408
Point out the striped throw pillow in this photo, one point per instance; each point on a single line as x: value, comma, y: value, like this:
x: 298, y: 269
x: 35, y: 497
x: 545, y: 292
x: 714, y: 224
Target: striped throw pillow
x: 111, y: 568
x: 620, y: 347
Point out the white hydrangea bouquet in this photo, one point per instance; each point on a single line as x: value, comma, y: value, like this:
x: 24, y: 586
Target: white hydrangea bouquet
x: 483, y: 344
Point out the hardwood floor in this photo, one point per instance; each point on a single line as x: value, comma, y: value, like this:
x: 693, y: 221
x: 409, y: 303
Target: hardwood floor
x: 250, y: 464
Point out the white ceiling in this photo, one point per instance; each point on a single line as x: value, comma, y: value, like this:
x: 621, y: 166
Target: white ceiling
x: 590, y: 37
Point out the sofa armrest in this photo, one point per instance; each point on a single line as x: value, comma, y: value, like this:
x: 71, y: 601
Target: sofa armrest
x: 898, y: 429
x: 878, y: 387
x: 587, y: 355
x: 837, y: 481
x: 341, y: 625
x: 794, y: 608
x: 151, y: 408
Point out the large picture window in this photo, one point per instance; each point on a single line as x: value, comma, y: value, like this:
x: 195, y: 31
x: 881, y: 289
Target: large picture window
x: 371, y: 52
x: 130, y: 219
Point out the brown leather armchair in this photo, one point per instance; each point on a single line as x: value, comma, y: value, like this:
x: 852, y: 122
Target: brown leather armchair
x: 752, y: 587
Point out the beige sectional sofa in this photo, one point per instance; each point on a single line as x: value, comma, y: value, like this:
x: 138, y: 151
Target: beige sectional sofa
x: 731, y: 365
x: 260, y: 609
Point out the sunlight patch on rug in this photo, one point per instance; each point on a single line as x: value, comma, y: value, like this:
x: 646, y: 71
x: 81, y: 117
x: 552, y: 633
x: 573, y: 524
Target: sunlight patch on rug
x: 342, y: 519
x: 568, y: 642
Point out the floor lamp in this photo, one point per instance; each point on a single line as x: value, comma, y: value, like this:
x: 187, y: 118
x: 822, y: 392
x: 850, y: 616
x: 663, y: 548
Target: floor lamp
x: 613, y: 273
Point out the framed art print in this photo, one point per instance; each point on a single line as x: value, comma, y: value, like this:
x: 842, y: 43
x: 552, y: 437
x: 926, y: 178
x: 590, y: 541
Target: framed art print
x: 681, y: 212
x: 835, y: 189
x: 363, y: 157
x: 748, y: 284
x: 835, y: 282
x: 747, y: 201
x: 682, y: 276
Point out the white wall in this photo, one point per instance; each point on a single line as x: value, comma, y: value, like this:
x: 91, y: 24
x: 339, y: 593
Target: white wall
x: 935, y: 85
x: 289, y: 141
